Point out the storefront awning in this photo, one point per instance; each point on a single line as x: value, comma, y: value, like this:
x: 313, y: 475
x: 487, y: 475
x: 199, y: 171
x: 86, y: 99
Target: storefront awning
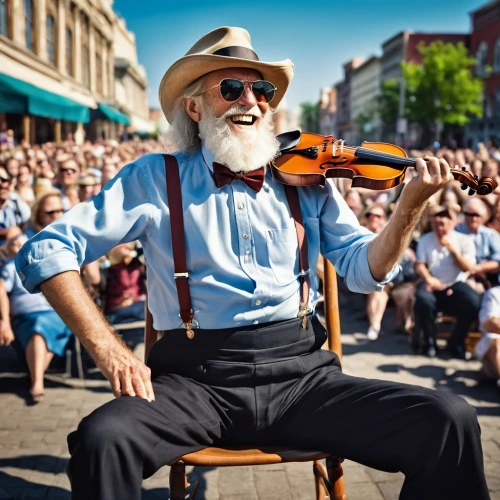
x: 112, y: 114
x: 17, y: 96
x: 141, y: 125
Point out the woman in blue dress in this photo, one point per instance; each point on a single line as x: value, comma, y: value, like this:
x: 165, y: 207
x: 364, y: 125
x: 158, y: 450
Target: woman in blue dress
x: 35, y: 324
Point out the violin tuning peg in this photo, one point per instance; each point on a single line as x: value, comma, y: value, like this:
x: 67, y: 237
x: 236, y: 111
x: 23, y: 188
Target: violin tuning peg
x: 463, y: 186
x: 471, y: 192
x: 464, y: 169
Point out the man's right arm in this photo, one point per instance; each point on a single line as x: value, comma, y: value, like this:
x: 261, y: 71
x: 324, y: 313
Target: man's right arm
x: 127, y: 374
x: 50, y: 261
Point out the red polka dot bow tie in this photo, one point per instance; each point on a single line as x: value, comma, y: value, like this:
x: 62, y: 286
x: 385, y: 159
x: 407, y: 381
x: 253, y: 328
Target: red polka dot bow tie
x: 224, y: 176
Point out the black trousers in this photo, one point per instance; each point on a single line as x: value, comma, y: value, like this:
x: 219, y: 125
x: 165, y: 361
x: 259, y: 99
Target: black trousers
x: 273, y: 385
x: 458, y: 300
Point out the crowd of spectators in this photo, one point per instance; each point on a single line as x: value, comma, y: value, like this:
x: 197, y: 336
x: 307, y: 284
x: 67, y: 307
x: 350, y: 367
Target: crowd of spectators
x: 451, y: 268
x: 38, y: 183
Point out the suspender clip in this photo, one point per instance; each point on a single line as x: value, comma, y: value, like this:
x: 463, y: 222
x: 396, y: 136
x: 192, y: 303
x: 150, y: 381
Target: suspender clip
x: 181, y: 275
x: 305, y: 272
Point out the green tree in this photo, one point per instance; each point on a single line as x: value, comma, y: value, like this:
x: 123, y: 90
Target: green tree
x: 309, y: 117
x: 442, y: 91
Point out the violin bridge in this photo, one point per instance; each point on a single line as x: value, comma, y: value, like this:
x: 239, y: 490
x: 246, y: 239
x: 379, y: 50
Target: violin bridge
x: 337, y: 143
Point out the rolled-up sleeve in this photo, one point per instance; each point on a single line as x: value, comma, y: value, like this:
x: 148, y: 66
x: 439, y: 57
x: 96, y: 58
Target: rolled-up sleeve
x: 345, y: 243
x: 120, y: 213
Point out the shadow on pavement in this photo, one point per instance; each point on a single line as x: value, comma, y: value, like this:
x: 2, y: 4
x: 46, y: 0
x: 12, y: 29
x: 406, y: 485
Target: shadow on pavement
x: 12, y: 486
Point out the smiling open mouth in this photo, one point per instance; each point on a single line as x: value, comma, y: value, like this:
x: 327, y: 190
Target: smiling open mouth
x: 243, y: 119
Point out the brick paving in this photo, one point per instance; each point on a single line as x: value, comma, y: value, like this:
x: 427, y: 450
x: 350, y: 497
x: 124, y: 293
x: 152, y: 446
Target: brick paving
x: 33, y: 454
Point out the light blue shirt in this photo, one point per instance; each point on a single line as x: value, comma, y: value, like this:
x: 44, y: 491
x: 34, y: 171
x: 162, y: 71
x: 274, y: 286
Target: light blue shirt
x: 486, y: 241
x: 241, y: 246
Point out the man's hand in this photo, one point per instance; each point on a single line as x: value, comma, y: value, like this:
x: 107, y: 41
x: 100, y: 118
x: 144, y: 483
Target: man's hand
x: 445, y: 242
x: 433, y: 284
x: 432, y: 175
x: 127, y: 374
x: 6, y: 333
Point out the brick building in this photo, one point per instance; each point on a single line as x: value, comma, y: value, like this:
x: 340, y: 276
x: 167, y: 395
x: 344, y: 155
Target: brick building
x: 485, y: 47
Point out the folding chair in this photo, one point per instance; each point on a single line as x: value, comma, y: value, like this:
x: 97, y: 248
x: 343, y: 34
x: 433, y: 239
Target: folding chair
x: 329, y: 482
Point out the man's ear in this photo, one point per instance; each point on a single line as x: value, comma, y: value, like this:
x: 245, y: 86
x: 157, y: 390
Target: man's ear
x: 193, y: 108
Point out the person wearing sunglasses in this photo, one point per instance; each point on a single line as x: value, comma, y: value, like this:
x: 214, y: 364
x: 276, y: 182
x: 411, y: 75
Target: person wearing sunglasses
x: 13, y: 210
x: 245, y: 366
x: 67, y: 175
x: 484, y: 273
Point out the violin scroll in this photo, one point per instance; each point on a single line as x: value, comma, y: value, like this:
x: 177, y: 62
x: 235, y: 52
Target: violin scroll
x: 482, y: 186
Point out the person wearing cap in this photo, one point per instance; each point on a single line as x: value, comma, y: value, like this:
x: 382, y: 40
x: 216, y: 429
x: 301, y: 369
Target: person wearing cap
x: 240, y: 361
x: 444, y: 260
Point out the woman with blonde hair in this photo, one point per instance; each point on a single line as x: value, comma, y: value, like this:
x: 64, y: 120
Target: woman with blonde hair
x: 37, y: 327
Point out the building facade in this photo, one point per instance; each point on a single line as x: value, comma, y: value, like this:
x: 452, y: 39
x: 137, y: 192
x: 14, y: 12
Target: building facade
x: 327, y: 111
x: 130, y: 80
x: 485, y: 47
x: 365, y: 89
x: 344, y: 126
x: 57, y: 69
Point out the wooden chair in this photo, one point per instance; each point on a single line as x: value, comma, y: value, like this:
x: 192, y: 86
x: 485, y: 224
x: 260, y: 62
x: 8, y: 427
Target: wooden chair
x: 329, y: 481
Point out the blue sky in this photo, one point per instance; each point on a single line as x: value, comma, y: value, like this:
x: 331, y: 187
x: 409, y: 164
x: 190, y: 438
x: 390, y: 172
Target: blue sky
x: 318, y: 36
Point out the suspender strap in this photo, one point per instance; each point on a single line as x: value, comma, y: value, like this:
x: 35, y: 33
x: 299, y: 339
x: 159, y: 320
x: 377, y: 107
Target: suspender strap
x: 181, y: 273
x: 292, y: 196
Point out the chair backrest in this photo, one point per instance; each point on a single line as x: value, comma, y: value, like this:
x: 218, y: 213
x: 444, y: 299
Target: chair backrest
x: 332, y: 316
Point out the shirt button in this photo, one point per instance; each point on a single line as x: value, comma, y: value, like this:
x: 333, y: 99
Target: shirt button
x: 245, y: 236
x: 240, y: 206
x: 258, y: 302
x: 256, y: 322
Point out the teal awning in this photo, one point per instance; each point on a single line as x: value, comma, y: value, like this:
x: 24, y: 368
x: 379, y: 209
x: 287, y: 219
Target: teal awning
x: 21, y: 97
x: 113, y: 115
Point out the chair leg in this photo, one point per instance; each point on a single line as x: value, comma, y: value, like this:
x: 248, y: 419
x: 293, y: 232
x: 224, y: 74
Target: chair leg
x: 336, y: 477
x: 178, y: 481
x: 321, y: 481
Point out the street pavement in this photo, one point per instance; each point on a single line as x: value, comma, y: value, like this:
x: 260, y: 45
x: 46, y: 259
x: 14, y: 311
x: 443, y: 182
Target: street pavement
x: 33, y: 453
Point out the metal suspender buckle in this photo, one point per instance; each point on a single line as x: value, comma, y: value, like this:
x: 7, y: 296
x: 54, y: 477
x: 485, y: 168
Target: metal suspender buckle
x: 181, y: 275
x: 305, y: 272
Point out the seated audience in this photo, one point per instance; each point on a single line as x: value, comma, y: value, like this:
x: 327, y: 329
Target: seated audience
x: 34, y: 323
x: 125, y: 290
x: 488, y: 348
x: 13, y: 210
x: 444, y: 259
x: 486, y: 242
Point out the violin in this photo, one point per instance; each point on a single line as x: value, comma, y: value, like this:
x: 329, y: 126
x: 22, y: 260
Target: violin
x: 307, y: 159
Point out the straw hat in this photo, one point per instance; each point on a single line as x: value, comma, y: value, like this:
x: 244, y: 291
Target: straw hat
x: 224, y: 47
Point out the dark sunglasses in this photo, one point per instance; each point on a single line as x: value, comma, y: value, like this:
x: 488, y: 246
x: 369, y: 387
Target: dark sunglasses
x: 371, y: 214
x: 471, y: 214
x: 232, y: 89
x: 53, y: 212
x: 5, y: 180
x: 69, y: 170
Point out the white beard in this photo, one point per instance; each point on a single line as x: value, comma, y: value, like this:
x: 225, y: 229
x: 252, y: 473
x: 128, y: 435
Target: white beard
x: 243, y: 152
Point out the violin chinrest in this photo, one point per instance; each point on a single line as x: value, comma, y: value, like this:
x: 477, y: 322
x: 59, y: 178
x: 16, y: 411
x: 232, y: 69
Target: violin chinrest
x: 288, y: 140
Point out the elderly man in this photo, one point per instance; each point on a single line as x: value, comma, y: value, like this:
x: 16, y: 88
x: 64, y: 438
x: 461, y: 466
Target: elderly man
x: 444, y: 259
x: 486, y: 242
x: 240, y: 362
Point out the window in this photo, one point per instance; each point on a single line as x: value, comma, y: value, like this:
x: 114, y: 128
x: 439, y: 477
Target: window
x: 496, y: 56
x: 85, y: 51
x: 29, y: 31
x: 51, y: 39
x: 98, y: 62
x: 69, y: 52
x: 481, y: 55
x: 4, y: 19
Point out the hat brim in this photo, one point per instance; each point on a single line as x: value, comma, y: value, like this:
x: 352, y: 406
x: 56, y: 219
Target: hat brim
x: 189, y: 68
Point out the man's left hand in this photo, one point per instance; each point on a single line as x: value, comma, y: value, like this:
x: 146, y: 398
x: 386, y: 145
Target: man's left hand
x: 432, y: 175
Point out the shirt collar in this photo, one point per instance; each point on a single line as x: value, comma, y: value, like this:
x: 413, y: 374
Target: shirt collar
x: 208, y: 157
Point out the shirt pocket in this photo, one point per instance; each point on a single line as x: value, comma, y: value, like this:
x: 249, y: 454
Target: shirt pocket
x: 283, y: 254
